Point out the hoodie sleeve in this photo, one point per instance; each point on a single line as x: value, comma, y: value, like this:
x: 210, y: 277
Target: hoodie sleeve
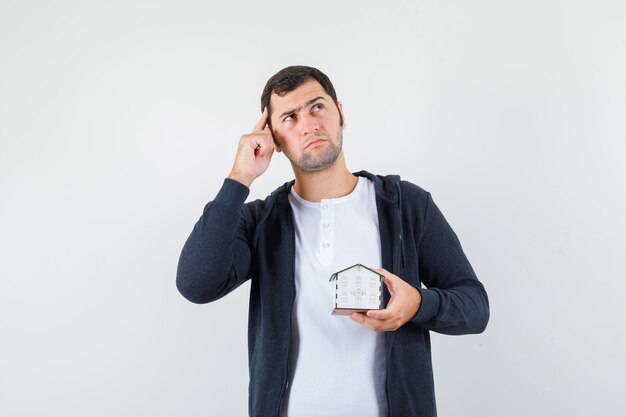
x: 216, y: 257
x: 454, y: 301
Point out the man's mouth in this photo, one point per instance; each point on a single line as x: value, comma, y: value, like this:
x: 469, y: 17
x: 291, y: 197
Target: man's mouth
x: 314, y: 142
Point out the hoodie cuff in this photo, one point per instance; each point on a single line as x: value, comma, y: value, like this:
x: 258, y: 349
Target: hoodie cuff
x: 232, y: 195
x: 429, y: 306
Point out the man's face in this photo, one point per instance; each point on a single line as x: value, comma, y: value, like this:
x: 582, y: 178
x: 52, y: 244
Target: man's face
x: 306, y: 124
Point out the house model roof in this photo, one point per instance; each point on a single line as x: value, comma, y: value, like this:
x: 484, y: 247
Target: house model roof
x: 357, y: 289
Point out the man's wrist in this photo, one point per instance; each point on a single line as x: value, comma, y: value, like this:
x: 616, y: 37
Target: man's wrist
x: 241, y: 178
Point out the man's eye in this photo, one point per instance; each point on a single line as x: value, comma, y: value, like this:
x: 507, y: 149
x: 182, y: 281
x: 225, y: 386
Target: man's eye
x: 317, y: 107
x: 288, y: 118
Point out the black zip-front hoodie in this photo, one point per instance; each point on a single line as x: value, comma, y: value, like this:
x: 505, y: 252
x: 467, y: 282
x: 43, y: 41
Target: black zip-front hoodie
x: 234, y: 241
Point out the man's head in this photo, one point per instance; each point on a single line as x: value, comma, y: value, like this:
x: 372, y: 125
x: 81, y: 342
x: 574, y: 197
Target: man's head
x: 290, y: 78
x: 305, y: 118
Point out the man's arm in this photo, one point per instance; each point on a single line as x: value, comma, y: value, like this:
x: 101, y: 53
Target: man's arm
x: 454, y: 302
x: 217, y: 257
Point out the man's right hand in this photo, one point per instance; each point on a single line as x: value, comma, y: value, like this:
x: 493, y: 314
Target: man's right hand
x: 254, y: 153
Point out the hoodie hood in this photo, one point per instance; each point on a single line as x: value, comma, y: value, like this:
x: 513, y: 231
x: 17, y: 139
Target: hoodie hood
x: 388, y: 188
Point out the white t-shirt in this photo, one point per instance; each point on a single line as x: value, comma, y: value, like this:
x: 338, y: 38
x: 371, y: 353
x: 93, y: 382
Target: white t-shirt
x: 337, y: 366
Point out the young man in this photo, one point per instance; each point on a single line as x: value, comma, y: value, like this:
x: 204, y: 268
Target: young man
x: 303, y: 361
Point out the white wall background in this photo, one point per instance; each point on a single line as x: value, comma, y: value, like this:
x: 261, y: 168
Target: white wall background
x: 119, y: 121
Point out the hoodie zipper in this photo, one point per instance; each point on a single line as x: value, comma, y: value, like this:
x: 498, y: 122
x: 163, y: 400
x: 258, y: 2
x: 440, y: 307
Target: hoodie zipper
x: 397, y: 259
x: 293, y: 298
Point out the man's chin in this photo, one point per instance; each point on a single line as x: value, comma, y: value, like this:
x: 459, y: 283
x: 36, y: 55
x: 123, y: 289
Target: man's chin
x: 311, y: 167
x: 317, y: 159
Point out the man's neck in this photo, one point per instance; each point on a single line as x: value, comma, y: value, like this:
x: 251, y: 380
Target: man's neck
x: 334, y: 182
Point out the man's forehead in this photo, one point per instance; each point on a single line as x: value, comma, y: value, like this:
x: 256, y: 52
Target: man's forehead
x: 298, y: 97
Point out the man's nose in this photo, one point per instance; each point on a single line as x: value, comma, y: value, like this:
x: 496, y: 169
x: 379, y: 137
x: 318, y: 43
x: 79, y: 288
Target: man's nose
x: 308, y: 124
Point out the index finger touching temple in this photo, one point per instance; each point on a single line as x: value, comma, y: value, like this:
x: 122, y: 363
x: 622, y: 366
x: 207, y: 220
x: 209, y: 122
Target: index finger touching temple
x: 262, y: 121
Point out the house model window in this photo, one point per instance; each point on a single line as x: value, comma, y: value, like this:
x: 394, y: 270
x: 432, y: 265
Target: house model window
x: 357, y: 289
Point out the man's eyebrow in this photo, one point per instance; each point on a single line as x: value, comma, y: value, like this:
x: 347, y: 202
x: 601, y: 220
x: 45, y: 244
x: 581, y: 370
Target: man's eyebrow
x: 311, y: 101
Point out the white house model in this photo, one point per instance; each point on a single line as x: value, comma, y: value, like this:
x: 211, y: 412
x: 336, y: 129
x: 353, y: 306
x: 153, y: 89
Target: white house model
x: 357, y: 289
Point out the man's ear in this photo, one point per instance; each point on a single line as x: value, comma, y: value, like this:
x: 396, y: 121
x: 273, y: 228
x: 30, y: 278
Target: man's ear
x: 277, y: 146
x: 343, y: 116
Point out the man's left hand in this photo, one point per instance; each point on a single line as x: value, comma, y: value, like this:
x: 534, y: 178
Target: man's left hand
x: 404, y: 303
